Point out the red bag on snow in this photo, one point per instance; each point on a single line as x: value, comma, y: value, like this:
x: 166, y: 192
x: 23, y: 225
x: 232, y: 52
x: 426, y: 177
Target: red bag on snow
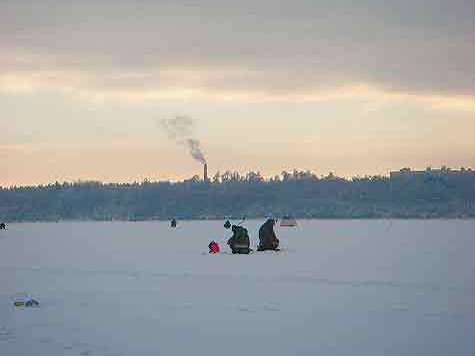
x: 213, y: 247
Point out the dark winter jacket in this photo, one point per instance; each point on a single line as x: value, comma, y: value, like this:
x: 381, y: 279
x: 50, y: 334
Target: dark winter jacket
x: 267, y: 238
x: 239, y: 242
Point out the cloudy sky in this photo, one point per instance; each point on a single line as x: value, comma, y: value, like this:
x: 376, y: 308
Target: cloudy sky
x: 353, y: 87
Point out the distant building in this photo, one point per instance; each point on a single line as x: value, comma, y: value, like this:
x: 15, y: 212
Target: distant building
x: 407, y: 173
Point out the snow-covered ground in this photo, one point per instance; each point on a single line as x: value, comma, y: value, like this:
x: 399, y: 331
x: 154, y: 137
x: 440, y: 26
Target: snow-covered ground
x: 337, y: 288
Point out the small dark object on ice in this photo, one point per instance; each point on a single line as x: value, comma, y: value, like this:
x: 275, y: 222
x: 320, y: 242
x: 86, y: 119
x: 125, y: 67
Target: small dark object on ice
x: 27, y: 303
x: 32, y: 303
x: 227, y: 224
x: 173, y: 223
x: 3, y: 226
x: 288, y: 221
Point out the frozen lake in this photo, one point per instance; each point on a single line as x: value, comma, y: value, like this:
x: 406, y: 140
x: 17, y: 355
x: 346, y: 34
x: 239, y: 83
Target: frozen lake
x: 337, y: 288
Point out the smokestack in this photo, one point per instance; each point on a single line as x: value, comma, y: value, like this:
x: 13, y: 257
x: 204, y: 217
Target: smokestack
x: 205, y: 173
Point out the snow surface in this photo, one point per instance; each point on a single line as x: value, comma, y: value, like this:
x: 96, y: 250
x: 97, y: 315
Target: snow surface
x: 337, y: 288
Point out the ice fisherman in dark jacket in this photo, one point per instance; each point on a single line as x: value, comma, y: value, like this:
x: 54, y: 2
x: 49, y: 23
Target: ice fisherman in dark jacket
x: 267, y: 238
x: 239, y: 242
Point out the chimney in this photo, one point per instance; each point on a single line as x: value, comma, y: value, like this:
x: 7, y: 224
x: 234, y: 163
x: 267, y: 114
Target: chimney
x: 205, y: 173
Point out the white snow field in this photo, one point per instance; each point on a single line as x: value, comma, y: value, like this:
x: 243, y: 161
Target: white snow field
x: 338, y: 288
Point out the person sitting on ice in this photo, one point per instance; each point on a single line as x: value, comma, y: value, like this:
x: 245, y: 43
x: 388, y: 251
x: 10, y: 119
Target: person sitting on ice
x: 213, y: 247
x: 267, y: 238
x: 239, y: 242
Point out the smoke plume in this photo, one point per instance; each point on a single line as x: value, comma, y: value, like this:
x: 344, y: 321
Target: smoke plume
x: 180, y: 130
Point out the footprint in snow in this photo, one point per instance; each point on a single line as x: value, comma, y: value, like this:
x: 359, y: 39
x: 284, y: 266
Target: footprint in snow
x: 6, y: 334
x: 46, y: 340
x: 400, y: 307
x: 271, y: 308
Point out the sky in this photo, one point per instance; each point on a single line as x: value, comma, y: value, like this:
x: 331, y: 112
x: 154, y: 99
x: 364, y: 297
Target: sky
x: 350, y: 87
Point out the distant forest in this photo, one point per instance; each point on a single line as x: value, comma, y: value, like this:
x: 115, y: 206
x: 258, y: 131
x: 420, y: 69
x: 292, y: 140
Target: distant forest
x: 299, y: 194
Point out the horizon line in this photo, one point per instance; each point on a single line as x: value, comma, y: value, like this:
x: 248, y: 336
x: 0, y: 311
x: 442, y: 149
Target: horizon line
x: 266, y: 178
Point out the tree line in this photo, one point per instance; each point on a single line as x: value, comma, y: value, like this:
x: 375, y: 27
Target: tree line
x: 301, y: 194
